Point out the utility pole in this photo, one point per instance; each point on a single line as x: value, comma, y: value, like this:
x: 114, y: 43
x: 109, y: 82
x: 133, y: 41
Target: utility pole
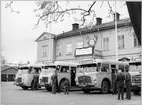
x: 116, y: 50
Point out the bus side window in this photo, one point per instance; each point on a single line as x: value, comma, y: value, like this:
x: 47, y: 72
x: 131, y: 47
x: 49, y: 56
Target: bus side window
x: 98, y: 66
x: 64, y: 69
x: 105, y: 67
x: 121, y: 67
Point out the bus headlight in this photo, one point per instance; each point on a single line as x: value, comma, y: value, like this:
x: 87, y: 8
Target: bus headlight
x: 94, y: 80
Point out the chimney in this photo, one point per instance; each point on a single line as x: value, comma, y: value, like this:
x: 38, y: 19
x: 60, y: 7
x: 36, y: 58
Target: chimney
x: 75, y: 26
x: 98, y: 21
x: 117, y: 16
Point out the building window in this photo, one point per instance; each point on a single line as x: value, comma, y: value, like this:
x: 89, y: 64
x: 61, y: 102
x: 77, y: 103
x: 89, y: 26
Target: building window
x: 59, y: 50
x: 106, y: 44
x: 121, y: 42
x: 68, y: 49
x: 79, y: 44
x: 136, y: 43
x: 44, y: 50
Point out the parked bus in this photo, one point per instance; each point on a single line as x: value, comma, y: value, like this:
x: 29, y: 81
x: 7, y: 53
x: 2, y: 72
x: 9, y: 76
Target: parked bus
x: 25, y: 74
x: 65, y: 70
x: 135, y: 69
x: 95, y: 74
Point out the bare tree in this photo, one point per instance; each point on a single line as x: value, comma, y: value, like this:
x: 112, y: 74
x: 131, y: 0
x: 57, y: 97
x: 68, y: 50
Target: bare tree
x: 3, y: 60
x: 52, y: 11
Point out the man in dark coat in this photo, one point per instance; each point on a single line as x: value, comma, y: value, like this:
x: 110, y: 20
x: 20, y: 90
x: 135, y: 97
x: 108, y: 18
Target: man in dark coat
x: 120, y: 84
x: 66, y: 86
x: 114, y: 85
x: 128, y: 85
x: 35, y: 81
x: 54, y: 79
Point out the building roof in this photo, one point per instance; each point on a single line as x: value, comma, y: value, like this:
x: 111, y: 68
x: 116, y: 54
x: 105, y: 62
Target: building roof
x: 44, y: 34
x: 100, y: 27
x: 85, y: 30
x: 3, y: 68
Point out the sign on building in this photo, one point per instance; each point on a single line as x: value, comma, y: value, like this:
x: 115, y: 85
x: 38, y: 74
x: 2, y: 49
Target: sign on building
x: 84, y: 51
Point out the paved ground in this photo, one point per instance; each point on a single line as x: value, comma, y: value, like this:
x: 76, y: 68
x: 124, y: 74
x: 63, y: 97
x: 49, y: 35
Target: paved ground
x: 13, y: 95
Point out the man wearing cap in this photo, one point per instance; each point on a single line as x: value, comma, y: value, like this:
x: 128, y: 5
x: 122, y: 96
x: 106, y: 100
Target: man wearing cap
x: 120, y: 84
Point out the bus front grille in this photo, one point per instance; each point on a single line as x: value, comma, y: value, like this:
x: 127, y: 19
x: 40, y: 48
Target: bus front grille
x: 84, y: 79
x: 136, y: 79
x: 44, y: 79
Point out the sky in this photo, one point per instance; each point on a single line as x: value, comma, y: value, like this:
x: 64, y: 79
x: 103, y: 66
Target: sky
x: 17, y: 33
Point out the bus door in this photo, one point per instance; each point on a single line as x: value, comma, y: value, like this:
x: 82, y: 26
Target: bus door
x: 104, y: 73
x: 64, y: 72
x: 73, y: 75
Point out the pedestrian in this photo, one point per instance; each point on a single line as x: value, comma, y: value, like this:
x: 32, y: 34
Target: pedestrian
x: 54, y: 82
x: 114, y: 84
x: 128, y: 85
x: 120, y: 84
x: 66, y: 86
x: 35, y: 81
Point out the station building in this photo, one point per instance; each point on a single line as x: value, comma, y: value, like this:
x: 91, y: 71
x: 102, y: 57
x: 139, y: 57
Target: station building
x: 96, y: 42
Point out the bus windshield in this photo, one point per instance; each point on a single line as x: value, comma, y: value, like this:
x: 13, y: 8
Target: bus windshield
x: 135, y: 67
x: 23, y: 71
x: 48, y: 69
x: 87, y: 68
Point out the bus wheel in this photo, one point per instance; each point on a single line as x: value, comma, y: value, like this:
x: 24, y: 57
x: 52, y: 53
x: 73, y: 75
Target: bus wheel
x: 105, y: 87
x: 86, y: 90
x: 61, y: 86
x: 24, y: 88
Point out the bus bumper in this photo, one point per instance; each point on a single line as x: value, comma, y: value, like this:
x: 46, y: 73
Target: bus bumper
x: 136, y: 87
x: 87, y: 86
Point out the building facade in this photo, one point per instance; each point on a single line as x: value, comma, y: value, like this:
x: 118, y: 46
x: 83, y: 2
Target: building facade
x: 8, y: 73
x: 83, y: 43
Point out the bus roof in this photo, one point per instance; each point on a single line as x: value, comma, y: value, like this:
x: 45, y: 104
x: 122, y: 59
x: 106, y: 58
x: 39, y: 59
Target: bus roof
x: 63, y: 63
x: 134, y: 62
x: 32, y: 65
x: 89, y: 61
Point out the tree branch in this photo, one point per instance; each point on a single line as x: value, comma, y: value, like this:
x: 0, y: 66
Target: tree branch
x: 10, y: 6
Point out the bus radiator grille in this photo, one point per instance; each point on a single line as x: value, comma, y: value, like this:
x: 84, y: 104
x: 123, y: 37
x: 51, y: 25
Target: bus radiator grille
x: 84, y: 79
x: 44, y: 79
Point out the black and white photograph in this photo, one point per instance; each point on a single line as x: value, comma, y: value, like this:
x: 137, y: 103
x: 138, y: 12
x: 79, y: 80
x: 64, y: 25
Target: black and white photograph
x: 69, y: 52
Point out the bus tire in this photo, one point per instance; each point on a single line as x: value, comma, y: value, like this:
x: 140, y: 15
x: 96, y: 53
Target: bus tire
x: 24, y: 87
x: 61, y: 85
x: 104, y: 87
x: 86, y: 90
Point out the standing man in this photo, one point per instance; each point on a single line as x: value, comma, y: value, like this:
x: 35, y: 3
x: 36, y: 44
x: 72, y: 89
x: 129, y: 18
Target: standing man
x: 66, y: 86
x: 113, y: 75
x: 120, y: 84
x: 35, y: 81
x: 128, y: 85
x: 54, y: 82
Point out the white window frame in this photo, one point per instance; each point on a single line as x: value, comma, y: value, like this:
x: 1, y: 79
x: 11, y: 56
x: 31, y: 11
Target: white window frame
x: 136, y: 43
x: 68, y: 48
x: 59, y: 50
x: 79, y: 44
x: 44, y: 50
x: 105, y: 43
x: 121, y: 42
